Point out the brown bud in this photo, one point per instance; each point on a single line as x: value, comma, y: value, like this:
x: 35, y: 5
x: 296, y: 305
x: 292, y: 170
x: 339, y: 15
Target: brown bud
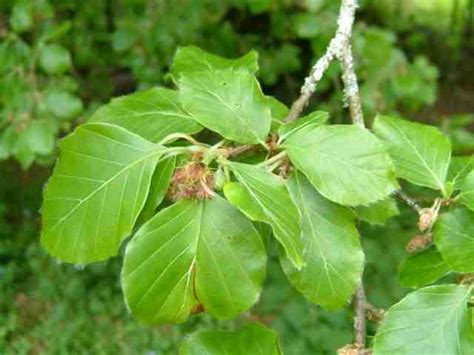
x: 198, y: 308
x: 419, y: 242
x: 426, y: 219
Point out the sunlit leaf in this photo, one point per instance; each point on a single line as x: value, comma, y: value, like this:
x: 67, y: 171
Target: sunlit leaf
x: 96, y: 192
x: 228, y: 102
x: 420, y: 152
x: 314, y: 119
x: 191, y: 59
x: 152, y: 114
x: 432, y: 320
x: 346, y: 163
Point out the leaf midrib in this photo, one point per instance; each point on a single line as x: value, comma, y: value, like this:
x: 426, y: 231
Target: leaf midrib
x: 418, y: 154
x: 99, y: 188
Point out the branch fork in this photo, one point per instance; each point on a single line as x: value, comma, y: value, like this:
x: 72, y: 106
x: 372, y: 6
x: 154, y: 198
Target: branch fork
x: 339, y: 48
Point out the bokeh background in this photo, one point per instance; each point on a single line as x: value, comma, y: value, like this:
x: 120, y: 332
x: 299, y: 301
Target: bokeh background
x: 61, y: 59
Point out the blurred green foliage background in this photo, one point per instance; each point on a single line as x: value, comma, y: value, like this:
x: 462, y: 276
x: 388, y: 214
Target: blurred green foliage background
x: 60, y: 59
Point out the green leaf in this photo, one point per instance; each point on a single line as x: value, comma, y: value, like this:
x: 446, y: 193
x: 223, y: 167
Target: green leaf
x: 21, y: 18
x: 420, y: 152
x: 458, y: 170
x: 158, y: 189
x: 264, y: 197
x: 467, y: 191
x: 96, y: 192
x: 193, y: 253
x: 333, y: 256
x: 346, y: 163
x: 22, y: 150
x: 454, y: 238
x: 432, y: 320
x: 278, y: 109
x: 314, y: 119
x: 379, y: 212
x: 63, y: 104
x: 123, y: 39
x: 54, y: 59
x: 305, y: 25
x: 4, y: 151
x: 228, y: 102
x: 422, y: 269
x: 152, y: 114
x: 259, y: 6
x: 253, y: 338
x: 192, y: 59
x: 40, y: 137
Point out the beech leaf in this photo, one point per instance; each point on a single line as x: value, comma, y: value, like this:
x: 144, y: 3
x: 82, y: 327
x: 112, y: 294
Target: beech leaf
x: 421, y: 153
x: 264, y: 197
x: 193, y: 254
x: 152, y: 114
x: 454, y: 238
x: 253, y: 338
x: 422, y: 269
x: 467, y: 191
x: 345, y: 163
x: 96, y: 192
x: 228, y: 102
x: 333, y: 255
x: 431, y: 320
x: 191, y: 59
x: 379, y: 212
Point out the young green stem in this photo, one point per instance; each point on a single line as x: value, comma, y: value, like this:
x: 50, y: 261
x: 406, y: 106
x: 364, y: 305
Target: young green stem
x: 273, y: 159
x: 173, y: 136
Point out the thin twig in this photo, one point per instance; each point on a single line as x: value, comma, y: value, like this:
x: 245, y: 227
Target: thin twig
x: 359, y: 319
x: 233, y: 152
x: 409, y: 201
x: 351, y: 88
x: 339, y: 48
